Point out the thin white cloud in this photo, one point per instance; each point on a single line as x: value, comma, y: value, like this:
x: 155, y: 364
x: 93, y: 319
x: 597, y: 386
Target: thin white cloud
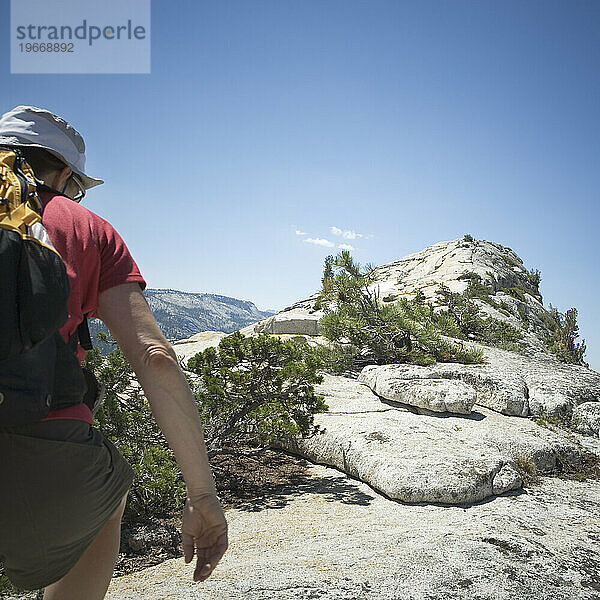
x: 347, y: 234
x: 319, y: 242
x: 298, y: 232
x: 345, y: 247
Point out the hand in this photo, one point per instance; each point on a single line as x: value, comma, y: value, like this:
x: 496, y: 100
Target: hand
x: 204, y: 529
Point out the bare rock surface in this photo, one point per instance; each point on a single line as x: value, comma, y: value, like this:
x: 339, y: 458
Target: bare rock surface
x: 508, y: 382
x: 588, y: 415
x: 334, y: 538
x: 436, y: 394
x: 199, y: 342
x: 415, y: 455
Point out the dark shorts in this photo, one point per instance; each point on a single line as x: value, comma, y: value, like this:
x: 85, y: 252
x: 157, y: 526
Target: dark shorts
x: 61, y: 482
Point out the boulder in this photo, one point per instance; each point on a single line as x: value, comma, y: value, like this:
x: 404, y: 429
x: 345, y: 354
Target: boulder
x: 508, y: 382
x: 294, y: 321
x: 588, y: 417
x: 439, y: 395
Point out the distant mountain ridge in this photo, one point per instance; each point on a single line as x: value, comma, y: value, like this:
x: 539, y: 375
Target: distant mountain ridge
x: 182, y: 314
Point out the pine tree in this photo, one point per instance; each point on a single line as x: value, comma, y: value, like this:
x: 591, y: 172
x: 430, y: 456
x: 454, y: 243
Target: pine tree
x: 256, y: 389
x: 406, y: 331
x: 562, y: 342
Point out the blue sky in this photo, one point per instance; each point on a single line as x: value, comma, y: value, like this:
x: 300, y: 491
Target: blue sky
x: 407, y: 122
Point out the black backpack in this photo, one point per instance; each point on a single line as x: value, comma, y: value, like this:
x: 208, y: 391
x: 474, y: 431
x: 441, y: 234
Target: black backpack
x: 39, y: 372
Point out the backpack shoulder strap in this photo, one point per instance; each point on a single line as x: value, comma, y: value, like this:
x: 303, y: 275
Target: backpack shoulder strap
x: 82, y: 336
x: 83, y: 332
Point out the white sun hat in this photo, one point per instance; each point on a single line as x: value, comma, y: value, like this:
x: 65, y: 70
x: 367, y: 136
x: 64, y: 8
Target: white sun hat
x: 37, y: 127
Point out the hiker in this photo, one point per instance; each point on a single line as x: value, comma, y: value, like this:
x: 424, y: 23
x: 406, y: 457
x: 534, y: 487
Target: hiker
x: 64, y: 486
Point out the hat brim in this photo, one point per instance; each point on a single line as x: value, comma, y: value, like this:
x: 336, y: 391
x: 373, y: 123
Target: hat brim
x: 88, y: 182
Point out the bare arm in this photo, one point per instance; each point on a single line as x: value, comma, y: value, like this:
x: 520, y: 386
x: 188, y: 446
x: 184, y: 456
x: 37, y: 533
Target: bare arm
x: 126, y: 313
x: 204, y: 528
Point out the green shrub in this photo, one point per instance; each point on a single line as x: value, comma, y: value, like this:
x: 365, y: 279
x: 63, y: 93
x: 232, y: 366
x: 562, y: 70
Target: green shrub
x: 406, y: 331
x: 447, y: 325
x: 470, y: 275
x: 420, y: 298
x: 256, y: 389
x: 468, y: 238
x: 483, y: 291
x: 549, y: 318
x: 463, y: 311
x: 511, y: 262
x: 562, y: 341
x: 523, y: 316
x: 509, y: 346
x: 518, y: 292
x: 505, y: 311
x: 159, y: 488
x: 564, y: 422
x: 469, y: 323
x: 535, y: 278
x: 476, y: 289
x: 336, y: 358
x: 497, y: 331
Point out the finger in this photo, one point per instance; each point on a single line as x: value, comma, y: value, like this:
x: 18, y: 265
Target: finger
x: 208, y: 558
x: 204, y: 573
x: 219, y: 550
x: 201, y: 573
x: 213, y: 553
x: 203, y: 566
x: 188, y: 547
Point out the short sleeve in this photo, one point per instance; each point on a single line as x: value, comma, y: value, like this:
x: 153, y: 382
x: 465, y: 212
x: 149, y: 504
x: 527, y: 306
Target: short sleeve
x: 116, y: 263
x: 94, y: 254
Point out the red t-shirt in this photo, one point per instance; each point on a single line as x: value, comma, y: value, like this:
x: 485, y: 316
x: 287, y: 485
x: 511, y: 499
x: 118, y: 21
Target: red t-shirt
x: 96, y: 259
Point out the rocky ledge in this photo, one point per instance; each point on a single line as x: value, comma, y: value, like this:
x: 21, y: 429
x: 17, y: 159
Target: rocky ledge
x: 507, y: 382
x: 420, y: 456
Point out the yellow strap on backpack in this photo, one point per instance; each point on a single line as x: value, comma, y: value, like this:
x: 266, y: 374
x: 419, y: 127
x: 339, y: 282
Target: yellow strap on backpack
x: 20, y: 206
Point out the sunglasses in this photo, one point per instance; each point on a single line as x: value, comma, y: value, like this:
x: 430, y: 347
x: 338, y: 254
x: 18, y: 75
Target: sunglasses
x: 80, y: 195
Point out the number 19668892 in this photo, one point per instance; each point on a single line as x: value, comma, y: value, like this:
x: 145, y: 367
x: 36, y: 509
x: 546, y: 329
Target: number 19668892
x: 47, y: 47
